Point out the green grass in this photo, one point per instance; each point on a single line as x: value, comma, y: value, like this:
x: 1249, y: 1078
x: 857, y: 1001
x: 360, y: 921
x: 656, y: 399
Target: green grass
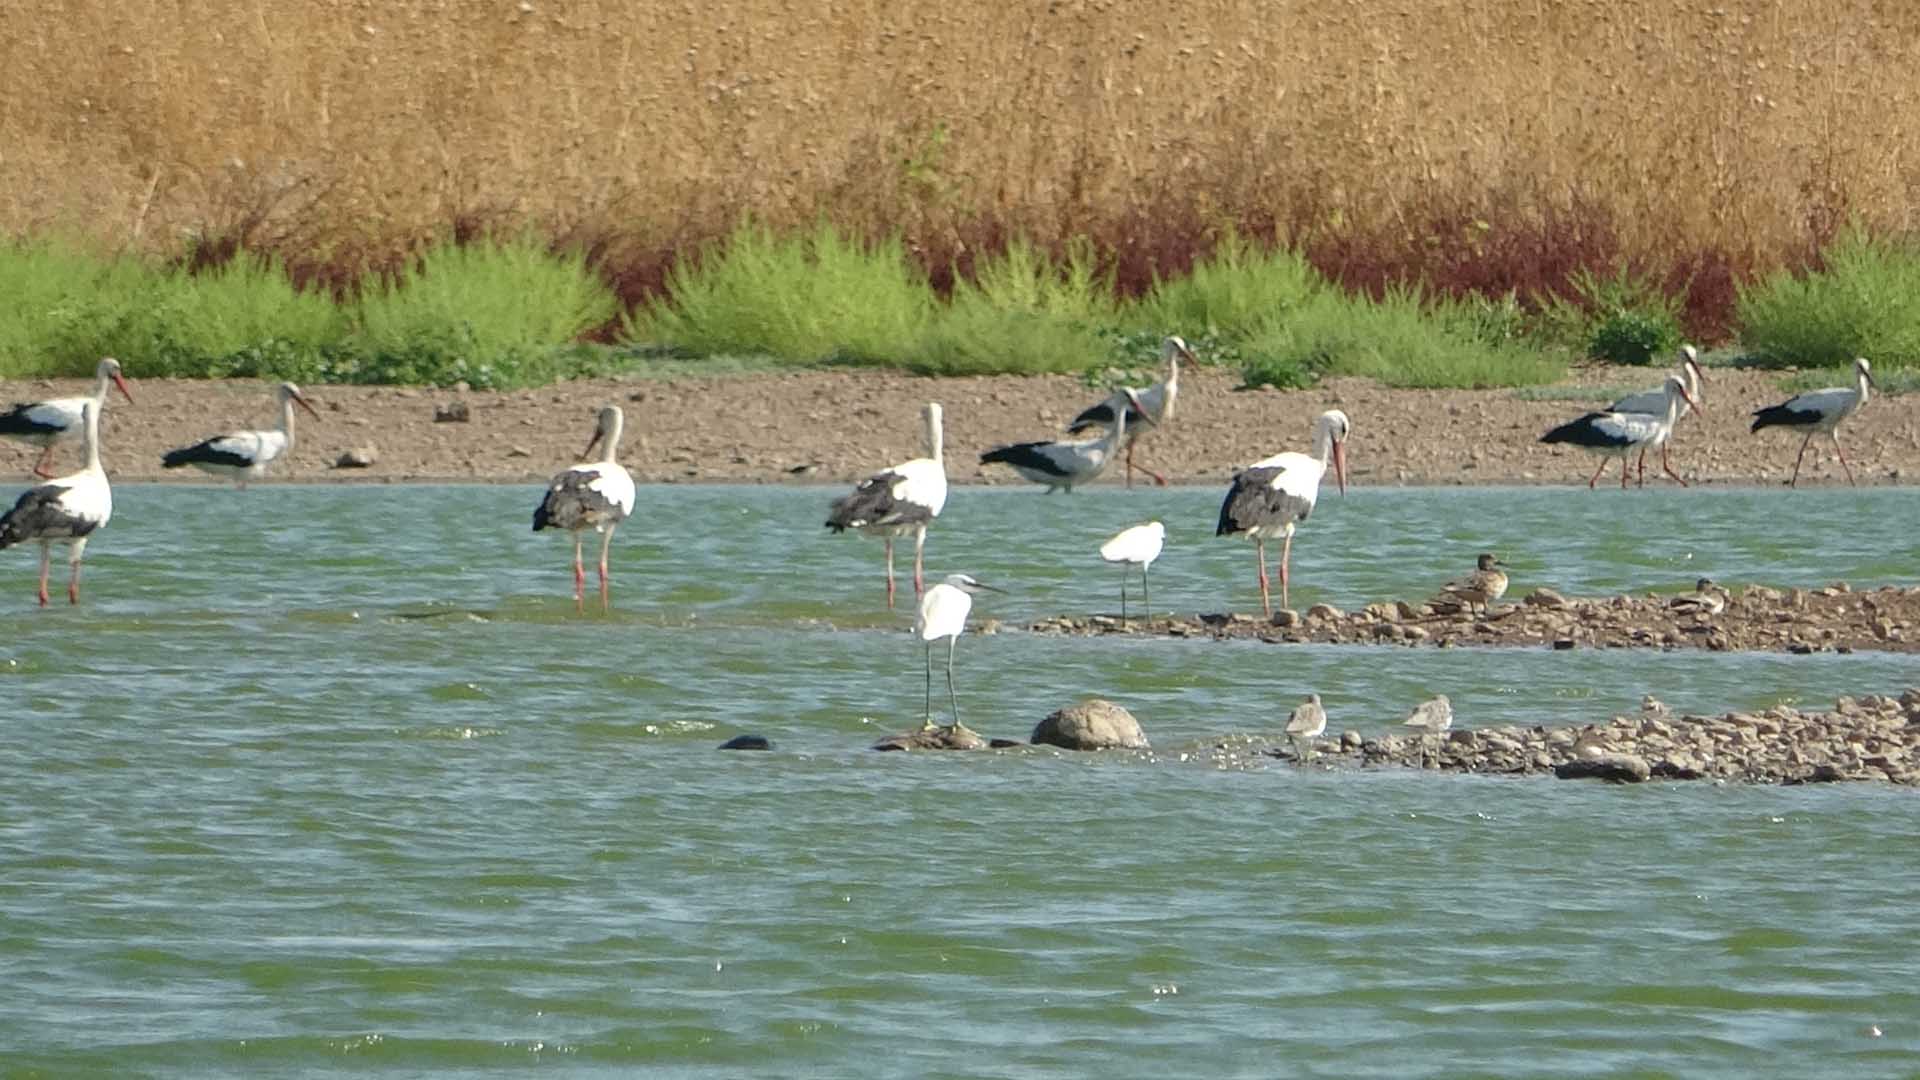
x: 816, y: 297
x: 1862, y: 302
x: 1021, y: 312
x: 1234, y: 293
x: 1404, y: 339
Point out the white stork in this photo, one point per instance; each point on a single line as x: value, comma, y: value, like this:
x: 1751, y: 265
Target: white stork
x: 1271, y: 496
x: 1137, y: 545
x: 943, y: 613
x: 899, y: 501
x: 244, y: 455
x: 44, y: 423
x: 1819, y: 410
x: 1655, y: 401
x: 69, y: 508
x: 1619, y: 434
x: 1062, y: 464
x: 597, y: 495
x: 1155, y: 405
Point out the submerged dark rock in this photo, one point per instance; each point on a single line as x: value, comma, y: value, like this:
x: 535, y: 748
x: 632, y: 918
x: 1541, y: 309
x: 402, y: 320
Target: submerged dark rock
x: 747, y: 742
x: 951, y: 737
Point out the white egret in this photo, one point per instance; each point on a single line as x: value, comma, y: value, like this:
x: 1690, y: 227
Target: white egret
x: 943, y: 614
x: 1137, y: 545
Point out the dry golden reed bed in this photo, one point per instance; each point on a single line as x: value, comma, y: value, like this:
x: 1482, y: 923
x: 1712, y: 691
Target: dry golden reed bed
x: 1488, y: 141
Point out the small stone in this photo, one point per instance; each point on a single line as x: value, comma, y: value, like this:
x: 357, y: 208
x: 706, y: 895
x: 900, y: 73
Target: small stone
x: 453, y: 412
x: 358, y: 457
x: 1286, y: 617
x: 1324, y: 613
x: 1093, y: 724
x: 1545, y: 598
x: 519, y: 451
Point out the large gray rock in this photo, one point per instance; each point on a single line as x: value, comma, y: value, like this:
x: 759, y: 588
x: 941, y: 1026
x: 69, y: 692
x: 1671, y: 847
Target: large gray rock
x: 1093, y: 724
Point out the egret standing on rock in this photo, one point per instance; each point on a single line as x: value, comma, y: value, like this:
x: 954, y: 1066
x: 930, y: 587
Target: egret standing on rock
x: 69, y: 508
x: 1308, y: 722
x: 943, y: 614
x: 901, y: 501
x: 1155, y: 406
x: 1619, y: 434
x: 45, y: 423
x: 1271, y: 496
x: 1062, y: 464
x: 1654, y: 401
x: 597, y: 495
x: 244, y: 455
x: 1817, y: 411
x: 1138, y: 546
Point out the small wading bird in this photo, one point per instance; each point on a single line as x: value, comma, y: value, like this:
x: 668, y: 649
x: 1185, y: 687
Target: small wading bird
x: 69, y: 508
x: 943, y: 614
x: 1430, y: 718
x: 1655, y: 401
x: 900, y: 501
x: 45, y: 423
x: 597, y: 495
x: 244, y: 455
x: 1137, y: 546
x: 1062, y: 464
x: 1155, y: 406
x: 1308, y: 722
x: 1271, y: 496
x: 1819, y: 410
x: 1618, y: 434
x: 1486, y: 584
x: 1707, y: 598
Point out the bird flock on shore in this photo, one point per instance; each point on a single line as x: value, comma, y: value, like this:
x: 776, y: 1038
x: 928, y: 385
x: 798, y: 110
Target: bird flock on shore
x: 1266, y: 500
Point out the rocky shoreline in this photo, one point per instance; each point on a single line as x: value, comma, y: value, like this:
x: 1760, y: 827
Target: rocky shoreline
x: 1834, y: 618
x: 1873, y: 738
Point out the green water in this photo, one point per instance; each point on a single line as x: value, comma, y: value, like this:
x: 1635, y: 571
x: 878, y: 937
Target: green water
x: 333, y: 778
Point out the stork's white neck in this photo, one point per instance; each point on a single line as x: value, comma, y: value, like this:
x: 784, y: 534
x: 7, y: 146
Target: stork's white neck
x: 100, y: 381
x: 1860, y: 383
x: 286, y: 418
x: 612, y: 440
x: 936, y: 436
x: 1322, y: 440
x: 91, y: 433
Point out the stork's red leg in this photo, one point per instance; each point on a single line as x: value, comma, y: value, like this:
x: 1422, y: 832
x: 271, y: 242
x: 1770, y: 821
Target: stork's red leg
x: 579, y: 577
x: 1792, y: 480
x: 606, y: 541
x: 1260, y: 553
x: 1843, y: 458
x: 1595, y: 478
x: 919, y: 572
x: 889, y: 545
x: 46, y: 567
x: 73, y: 584
x: 43, y: 466
x: 1286, y: 556
x: 1667, y: 464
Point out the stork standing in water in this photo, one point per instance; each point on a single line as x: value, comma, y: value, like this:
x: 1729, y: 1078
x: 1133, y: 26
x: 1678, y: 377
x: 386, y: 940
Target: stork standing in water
x: 1619, y: 434
x: 1062, y: 464
x: 1654, y: 401
x: 1271, y: 496
x: 244, y: 455
x: 45, y: 423
x: 69, y: 508
x: 899, y: 501
x: 943, y: 614
x: 1135, y: 546
x: 1817, y: 411
x: 1155, y: 406
x: 597, y: 495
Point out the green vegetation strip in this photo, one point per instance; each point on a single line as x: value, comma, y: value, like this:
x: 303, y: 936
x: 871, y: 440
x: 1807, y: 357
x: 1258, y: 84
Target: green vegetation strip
x: 515, y: 312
